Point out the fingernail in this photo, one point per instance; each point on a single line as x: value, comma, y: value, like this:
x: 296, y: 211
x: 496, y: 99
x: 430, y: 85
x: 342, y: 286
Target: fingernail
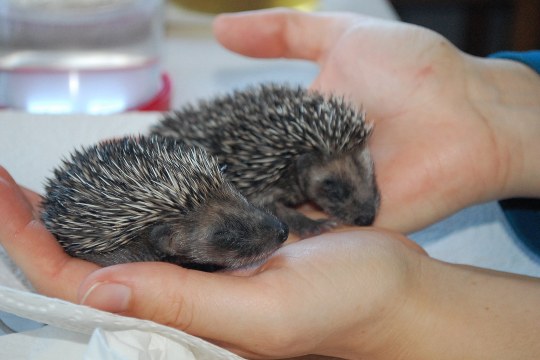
x: 107, y: 297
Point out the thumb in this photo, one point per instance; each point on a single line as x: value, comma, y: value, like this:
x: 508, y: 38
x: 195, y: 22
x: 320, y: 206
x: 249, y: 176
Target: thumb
x: 220, y: 307
x: 281, y: 33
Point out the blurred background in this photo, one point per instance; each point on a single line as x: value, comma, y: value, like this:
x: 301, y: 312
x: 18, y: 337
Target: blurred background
x: 479, y: 27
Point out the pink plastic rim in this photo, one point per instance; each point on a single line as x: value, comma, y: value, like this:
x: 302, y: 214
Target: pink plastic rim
x: 162, y: 100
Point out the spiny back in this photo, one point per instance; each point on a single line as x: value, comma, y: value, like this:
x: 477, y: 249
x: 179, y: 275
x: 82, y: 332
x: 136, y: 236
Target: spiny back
x: 119, y: 187
x: 259, y: 132
x: 290, y: 120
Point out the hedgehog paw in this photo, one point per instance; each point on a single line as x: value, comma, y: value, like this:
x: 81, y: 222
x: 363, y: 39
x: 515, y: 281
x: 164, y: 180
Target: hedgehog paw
x: 309, y: 227
x: 300, y: 224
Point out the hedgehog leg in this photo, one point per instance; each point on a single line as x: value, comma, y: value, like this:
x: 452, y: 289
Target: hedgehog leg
x: 300, y: 224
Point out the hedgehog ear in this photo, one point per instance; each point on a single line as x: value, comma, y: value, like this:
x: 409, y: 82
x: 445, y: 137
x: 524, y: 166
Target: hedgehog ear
x: 161, y: 237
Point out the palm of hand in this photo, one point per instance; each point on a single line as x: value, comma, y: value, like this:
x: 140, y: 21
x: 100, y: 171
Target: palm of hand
x: 413, y: 84
x: 301, y: 285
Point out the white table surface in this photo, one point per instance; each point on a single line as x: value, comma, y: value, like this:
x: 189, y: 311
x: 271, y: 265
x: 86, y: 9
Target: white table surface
x: 32, y: 145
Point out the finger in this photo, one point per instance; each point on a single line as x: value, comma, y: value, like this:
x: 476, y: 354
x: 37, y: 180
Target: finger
x: 32, y: 197
x: 8, y: 179
x: 26, y: 240
x: 219, y: 307
x: 281, y: 33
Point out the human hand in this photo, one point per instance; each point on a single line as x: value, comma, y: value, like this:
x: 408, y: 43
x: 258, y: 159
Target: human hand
x: 354, y: 294
x: 324, y: 295
x: 26, y: 240
x: 442, y: 140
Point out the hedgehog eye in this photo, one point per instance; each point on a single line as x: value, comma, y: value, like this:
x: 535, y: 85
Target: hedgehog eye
x: 335, y: 190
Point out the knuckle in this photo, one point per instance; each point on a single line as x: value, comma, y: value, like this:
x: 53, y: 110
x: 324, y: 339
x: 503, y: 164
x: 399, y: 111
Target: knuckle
x: 174, y: 309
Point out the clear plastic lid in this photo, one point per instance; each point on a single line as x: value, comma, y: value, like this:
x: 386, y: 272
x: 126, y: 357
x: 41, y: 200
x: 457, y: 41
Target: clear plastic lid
x: 92, y: 56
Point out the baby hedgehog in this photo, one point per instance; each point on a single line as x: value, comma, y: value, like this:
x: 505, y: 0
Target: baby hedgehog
x: 155, y: 199
x: 281, y: 146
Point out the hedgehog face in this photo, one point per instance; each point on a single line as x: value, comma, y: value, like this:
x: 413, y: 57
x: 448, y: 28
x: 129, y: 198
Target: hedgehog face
x: 226, y: 232
x: 343, y: 186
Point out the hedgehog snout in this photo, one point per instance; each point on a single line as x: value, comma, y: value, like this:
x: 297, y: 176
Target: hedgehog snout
x: 248, y: 239
x: 283, y: 233
x: 276, y: 229
x: 364, y: 219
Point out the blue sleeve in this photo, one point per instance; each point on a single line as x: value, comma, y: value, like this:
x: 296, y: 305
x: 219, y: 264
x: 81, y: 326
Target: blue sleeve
x: 524, y: 214
x: 530, y: 58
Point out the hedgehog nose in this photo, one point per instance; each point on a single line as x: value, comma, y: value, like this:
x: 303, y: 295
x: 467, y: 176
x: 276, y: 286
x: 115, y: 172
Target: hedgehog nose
x: 365, y: 219
x: 283, y: 233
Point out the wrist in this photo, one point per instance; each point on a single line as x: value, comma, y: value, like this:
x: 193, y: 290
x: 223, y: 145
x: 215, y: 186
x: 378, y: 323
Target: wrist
x: 506, y: 94
x: 464, y: 312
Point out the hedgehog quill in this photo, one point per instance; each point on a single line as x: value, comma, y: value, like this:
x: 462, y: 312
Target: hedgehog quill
x: 282, y: 146
x: 155, y: 199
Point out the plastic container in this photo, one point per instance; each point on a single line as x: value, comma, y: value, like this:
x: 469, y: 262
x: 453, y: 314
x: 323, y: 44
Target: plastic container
x: 84, y: 56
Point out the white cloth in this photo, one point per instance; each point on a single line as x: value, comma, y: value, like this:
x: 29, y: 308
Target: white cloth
x: 86, y: 333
